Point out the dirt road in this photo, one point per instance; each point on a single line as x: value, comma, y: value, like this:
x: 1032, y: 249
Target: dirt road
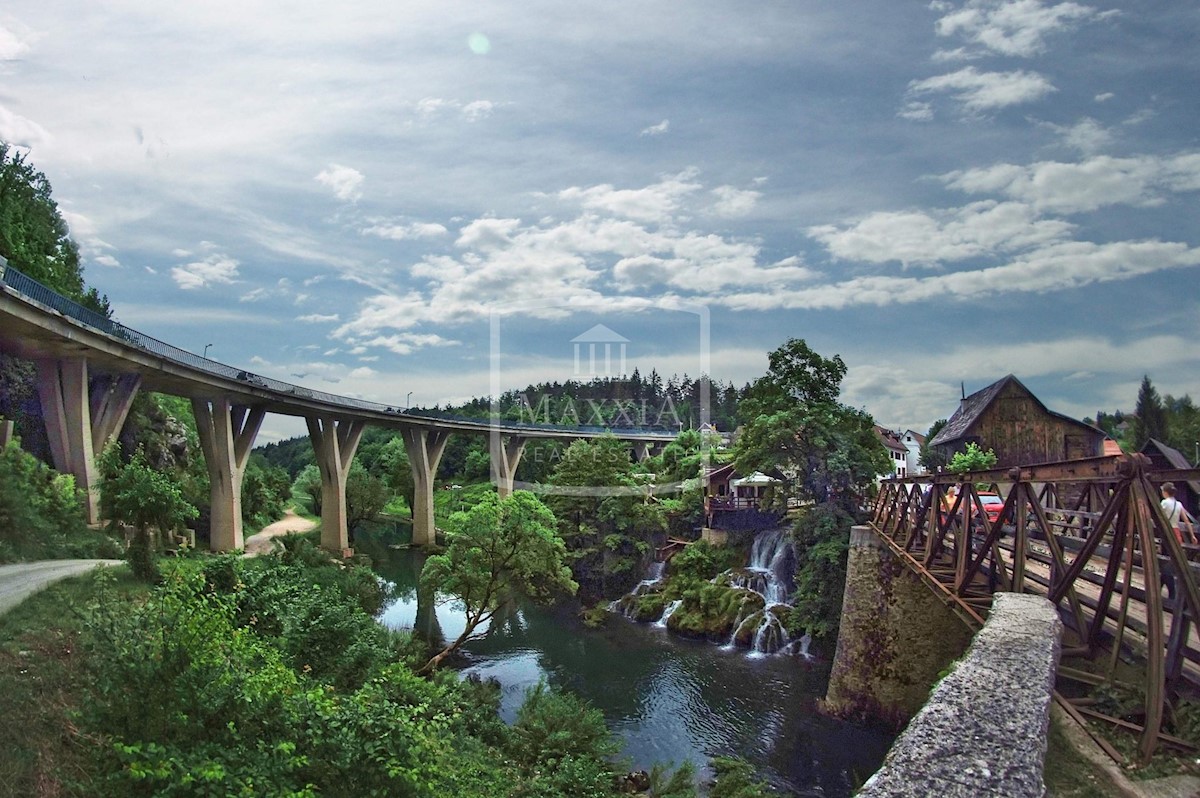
x: 261, y: 543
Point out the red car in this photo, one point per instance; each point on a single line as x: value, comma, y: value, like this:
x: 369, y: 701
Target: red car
x: 992, y: 505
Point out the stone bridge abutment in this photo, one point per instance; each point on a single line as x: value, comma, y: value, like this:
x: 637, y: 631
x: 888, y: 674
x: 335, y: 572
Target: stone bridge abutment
x: 982, y: 730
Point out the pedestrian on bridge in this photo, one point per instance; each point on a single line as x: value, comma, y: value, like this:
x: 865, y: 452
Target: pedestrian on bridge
x: 1177, y: 514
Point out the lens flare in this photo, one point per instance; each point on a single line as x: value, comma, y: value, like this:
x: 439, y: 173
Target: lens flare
x: 479, y: 44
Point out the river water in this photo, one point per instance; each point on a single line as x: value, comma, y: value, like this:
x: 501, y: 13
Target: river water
x: 667, y: 698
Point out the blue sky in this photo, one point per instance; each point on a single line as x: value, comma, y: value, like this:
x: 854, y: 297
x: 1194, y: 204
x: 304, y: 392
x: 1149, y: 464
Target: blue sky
x: 380, y: 196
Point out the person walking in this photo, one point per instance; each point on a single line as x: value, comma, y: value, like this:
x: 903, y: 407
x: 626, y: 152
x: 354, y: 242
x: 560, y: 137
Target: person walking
x: 1177, y: 515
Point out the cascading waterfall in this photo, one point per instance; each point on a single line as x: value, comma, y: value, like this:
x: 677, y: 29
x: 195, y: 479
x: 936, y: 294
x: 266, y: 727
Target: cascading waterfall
x: 765, y: 575
x: 654, y: 577
x: 768, y: 574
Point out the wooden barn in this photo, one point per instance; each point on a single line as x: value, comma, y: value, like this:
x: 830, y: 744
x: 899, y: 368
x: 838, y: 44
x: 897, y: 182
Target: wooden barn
x: 1008, y: 419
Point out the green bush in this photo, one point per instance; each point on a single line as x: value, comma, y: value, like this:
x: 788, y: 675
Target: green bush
x: 41, y: 516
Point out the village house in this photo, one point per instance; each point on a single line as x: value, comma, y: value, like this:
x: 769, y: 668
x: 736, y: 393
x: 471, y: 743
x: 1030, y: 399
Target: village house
x: 1008, y: 419
x: 897, y: 452
x: 913, y: 441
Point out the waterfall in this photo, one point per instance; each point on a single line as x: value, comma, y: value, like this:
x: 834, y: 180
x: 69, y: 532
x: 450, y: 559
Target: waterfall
x: 766, y: 575
x: 769, y: 574
x: 674, y: 605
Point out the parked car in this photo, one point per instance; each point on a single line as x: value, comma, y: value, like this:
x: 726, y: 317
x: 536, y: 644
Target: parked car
x: 992, y: 505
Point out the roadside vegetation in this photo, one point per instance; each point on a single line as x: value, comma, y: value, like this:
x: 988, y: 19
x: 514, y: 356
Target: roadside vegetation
x: 271, y: 676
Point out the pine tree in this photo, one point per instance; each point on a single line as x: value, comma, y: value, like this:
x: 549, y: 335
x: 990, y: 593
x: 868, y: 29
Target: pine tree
x: 1151, y: 415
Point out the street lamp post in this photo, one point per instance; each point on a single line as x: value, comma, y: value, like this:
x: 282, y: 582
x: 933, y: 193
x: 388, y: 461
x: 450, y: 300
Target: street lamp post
x: 206, y: 347
x: 408, y: 401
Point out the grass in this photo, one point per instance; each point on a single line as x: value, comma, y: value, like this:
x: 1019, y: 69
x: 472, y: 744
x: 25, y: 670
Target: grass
x: 42, y: 676
x: 1070, y: 774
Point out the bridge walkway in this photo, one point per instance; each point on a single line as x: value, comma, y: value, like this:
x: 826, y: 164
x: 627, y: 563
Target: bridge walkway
x: 1075, y: 532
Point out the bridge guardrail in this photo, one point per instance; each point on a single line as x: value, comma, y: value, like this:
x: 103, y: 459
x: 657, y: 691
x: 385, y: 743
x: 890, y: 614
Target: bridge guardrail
x: 37, y: 292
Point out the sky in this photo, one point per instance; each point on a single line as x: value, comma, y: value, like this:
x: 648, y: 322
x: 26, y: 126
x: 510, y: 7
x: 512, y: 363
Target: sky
x: 422, y: 202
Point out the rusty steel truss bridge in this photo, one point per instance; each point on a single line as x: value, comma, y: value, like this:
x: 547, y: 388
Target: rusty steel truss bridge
x: 1090, y: 536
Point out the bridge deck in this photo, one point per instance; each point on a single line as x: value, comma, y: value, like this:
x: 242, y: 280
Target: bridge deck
x: 1078, y: 533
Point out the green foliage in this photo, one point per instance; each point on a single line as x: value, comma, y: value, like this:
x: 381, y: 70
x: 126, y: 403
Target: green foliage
x: 680, y: 783
x: 794, y: 423
x: 366, y: 495
x: 711, y: 610
x: 608, y: 524
x: 701, y: 561
x: 735, y: 779
x: 308, y: 485
x: 1150, y: 415
x: 931, y: 458
x: 495, y: 550
x: 136, y: 494
x: 34, y: 237
x: 822, y: 536
x: 266, y: 490
x: 553, y: 726
x: 41, y: 516
x: 972, y: 458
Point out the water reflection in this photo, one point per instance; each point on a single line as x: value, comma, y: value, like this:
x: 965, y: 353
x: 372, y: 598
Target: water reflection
x: 667, y: 698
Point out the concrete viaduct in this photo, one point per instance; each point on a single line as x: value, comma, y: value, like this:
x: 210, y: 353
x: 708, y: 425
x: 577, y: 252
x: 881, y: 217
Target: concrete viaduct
x: 90, y: 368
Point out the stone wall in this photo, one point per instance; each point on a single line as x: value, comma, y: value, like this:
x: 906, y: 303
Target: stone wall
x: 982, y: 734
x: 896, y: 637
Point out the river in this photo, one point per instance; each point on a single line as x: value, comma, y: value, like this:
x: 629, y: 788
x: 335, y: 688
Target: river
x: 667, y: 698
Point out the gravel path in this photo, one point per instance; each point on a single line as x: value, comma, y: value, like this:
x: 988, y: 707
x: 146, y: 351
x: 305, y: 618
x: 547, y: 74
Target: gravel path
x: 20, y: 580
x: 262, y: 542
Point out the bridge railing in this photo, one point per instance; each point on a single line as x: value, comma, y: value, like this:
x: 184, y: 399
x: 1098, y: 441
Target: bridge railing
x: 33, y: 290
x: 1091, y: 536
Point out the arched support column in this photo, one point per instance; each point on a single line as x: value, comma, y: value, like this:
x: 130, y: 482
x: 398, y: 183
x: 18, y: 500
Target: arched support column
x: 424, y: 448
x: 506, y: 451
x: 334, y: 443
x: 226, y: 433
x: 641, y: 451
x: 78, y: 424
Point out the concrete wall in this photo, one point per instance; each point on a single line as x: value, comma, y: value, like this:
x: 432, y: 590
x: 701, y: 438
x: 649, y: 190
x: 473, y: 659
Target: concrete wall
x: 983, y: 731
x: 896, y: 636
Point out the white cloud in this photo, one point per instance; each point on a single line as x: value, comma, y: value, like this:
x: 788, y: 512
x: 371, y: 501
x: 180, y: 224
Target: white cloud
x: 1012, y: 27
x: 399, y: 232
x: 655, y: 203
x: 1104, y: 97
x: 477, y: 110
x: 1057, y: 267
x: 733, y: 201
x: 916, y: 111
x: 344, y: 181
x: 107, y: 260
x: 318, y: 318
x: 429, y: 107
x: 1087, y: 185
x: 918, y: 237
x: 986, y: 91
x: 1087, y: 136
x: 656, y: 130
x: 18, y: 130
x: 216, y: 268
x: 13, y: 44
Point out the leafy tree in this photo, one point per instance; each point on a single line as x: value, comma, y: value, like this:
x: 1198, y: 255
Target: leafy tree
x: 33, y: 235
x: 308, y: 484
x: 265, y: 491
x: 366, y: 496
x: 496, y: 550
x: 972, y: 458
x: 1151, y: 415
x: 605, y: 514
x: 794, y: 424
x: 138, y: 495
x: 931, y: 458
x: 396, y: 471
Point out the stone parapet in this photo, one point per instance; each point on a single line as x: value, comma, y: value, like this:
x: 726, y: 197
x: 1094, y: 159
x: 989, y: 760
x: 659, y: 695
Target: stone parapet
x: 983, y: 731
